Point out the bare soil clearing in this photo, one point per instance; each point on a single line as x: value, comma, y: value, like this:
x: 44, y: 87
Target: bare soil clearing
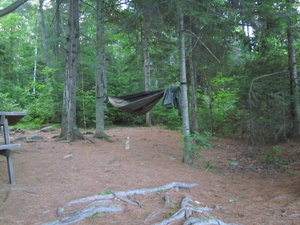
x: 231, y: 179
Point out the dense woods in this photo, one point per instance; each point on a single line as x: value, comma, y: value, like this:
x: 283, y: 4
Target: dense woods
x: 240, y: 60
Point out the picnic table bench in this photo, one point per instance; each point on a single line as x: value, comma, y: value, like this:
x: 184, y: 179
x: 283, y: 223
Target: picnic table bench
x: 8, y: 119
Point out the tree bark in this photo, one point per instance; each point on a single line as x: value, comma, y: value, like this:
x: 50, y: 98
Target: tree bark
x: 187, y: 149
x: 57, y: 32
x: 44, y: 36
x: 193, y: 79
x: 12, y: 7
x: 294, y: 84
x: 101, y: 90
x: 147, y: 65
x: 69, y: 129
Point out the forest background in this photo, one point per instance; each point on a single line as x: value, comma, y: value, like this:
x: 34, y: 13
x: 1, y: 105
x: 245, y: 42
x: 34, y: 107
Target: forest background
x: 240, y: 62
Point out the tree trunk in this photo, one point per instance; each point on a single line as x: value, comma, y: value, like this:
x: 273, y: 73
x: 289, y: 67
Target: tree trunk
x: 193, y: 78
x: 293, y: 80
x: 101, y: 90
x: 12, y: 7
x: 57, y: 33
x: 147, y: 66
x: 44, y: 36
x: 58, y: 62
x: 35, y: 67
x: 187, y: 149
x: 69, y: 129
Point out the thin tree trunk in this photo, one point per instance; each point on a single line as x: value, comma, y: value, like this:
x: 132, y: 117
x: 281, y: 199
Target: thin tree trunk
x: 34, y: 67
x: 69, y: 129
x: 58, y: 62
x: 294, y: 86
x: 293, y: 81
x: 211, y: 112
x: 57, y: 33
x: 147, y: 66
x: 101, y: 90
x: 193, y: 78
x: 44, y: 36
x: 187, y: 149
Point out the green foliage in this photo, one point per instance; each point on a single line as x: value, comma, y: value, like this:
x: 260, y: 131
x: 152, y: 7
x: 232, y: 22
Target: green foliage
x: 209, y: 166
x: 39, y: 106
x: 96, y: 215
x: 7, y: 103
x: 224, y: 104
x: 86, y: 112
x: 226, y: 60
x: 167, y: 117
x: 174, y: 207
x: 273, y: 156
x: 107, y: 192
x: 199, y: 142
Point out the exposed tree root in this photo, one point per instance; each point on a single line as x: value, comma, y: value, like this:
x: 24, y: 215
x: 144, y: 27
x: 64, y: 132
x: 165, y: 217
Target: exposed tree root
x: 104, y: 203
x: 204, y: 221
x: 92, y: 209
x: 155, y: 214
x: 136, y: 203
x: 74, y: 135
x: 186, y: 210
x: 173, y: 185
x: 103, y: 137
x: 176, y: 185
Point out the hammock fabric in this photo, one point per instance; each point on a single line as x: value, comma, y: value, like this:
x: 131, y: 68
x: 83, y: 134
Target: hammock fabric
x: 141, y: 103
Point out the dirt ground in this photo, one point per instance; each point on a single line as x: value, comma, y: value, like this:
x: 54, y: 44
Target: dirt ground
x: 234, y: 180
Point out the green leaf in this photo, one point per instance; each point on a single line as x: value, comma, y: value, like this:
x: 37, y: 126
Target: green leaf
x: 234, y: 163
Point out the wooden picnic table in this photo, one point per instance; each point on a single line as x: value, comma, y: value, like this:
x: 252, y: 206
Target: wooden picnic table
x: 8, y: 119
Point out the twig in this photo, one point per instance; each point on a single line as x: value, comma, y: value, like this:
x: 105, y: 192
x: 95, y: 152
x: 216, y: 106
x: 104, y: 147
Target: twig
x: 210, y: 52
x: 257, y: 78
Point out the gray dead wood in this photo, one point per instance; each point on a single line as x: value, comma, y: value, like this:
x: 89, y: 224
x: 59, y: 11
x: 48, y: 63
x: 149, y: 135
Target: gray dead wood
x: 186, y: 210
x: 92, y: 209
x: 176, y: 185
x: 61, y: 209
x: 136, y: 203
x: 203, y: 221
x: 154, y: 214
x: 99, y: 206
x: 173, y: 185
